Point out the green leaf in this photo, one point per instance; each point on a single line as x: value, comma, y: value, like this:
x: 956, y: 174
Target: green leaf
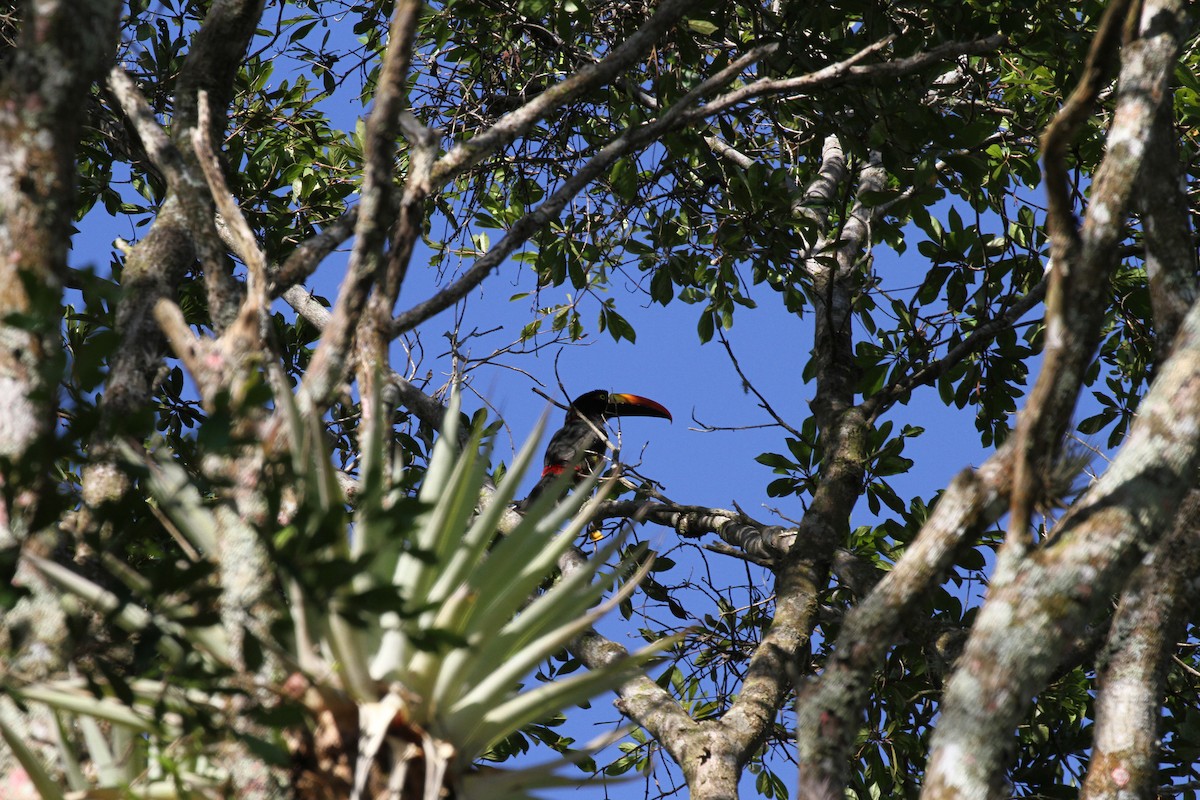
x: 618, y: 327
x: 624, y: 178
x: 46, y: 786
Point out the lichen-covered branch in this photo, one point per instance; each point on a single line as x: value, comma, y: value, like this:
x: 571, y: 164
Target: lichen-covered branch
x: 1039, y: 597
x: 1133, y: 669
x: 182, y: 231
x: 331, y: 359
x: 1037, y: 602
x: 830, y: 710
x: 159, y: 147
x: 1081, y: 262
x: 374, y: 335
x: 244, y: 244
x: 61, y: 49
x: 641, y: 699
x: 216, y: 54
x: 1170, y: 250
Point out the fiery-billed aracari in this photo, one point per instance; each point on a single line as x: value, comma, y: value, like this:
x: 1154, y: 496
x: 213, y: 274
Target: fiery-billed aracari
x: 579, y: 443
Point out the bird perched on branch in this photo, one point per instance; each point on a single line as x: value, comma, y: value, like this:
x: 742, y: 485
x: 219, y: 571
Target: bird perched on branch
x: 579, y: 444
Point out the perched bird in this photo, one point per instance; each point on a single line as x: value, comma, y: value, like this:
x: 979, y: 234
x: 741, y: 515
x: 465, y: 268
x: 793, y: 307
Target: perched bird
x: 579, y: 443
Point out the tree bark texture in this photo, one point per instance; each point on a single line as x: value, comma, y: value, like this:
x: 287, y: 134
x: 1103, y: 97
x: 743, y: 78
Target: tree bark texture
x: 43, y: 90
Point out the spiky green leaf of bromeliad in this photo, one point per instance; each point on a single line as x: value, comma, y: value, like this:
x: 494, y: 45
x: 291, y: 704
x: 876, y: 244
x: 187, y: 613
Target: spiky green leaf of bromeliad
x: 472, y: 620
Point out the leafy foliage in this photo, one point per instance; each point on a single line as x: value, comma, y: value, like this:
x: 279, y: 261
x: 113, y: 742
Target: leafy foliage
x: 740, y: 211
x: 377, y: 621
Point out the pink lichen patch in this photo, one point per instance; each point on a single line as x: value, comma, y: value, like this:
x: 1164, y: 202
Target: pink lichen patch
x: 19, y: 786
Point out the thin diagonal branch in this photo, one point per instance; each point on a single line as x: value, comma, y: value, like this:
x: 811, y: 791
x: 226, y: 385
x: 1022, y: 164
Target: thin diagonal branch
x: 848, y: 71
x: 515, y: 123
x: 526, y: 226
x: 979, y: 338
x: 305, y: 259
x: 158, y: 145
x: 748, y: 385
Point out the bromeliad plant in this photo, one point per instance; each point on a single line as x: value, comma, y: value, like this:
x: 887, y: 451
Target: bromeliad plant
x: 409, y: 669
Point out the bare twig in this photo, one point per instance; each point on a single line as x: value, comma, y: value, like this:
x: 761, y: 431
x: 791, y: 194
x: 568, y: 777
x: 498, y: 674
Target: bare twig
x: 763, y: 403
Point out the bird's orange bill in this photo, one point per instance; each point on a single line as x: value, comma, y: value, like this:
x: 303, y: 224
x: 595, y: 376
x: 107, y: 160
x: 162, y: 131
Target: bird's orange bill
x: 632, y: 405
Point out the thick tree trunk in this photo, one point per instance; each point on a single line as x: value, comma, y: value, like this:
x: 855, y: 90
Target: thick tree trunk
x: 61, y: 49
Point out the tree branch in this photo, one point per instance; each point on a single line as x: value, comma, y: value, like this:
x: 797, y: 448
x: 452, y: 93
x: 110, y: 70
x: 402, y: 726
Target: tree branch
x: 305, y: 259
x: 217, y: 51
x: 467, y: 154
x: 1170, y: 249
x: 60, y: 50
x: 641, y: 699
x: 980, y: 337
x: 830, y: 710
x: 526, y: 226
x: 1132, y: 677
x: 1079, y: 269
x: 182, y: 231
x: 1037, y: 600
x: 243, y: 241
x: 848, y: 71
x: 374, y: 335
x: 329, y: 362
x: 163, y: 153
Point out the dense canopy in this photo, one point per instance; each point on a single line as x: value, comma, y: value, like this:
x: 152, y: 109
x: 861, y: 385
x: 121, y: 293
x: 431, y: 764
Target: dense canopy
x: 273, y: 272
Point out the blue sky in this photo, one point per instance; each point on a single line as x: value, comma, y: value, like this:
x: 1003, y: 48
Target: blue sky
x: 696, y: 382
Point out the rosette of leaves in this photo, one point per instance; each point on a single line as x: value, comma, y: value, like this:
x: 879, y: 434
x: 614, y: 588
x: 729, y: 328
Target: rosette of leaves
x: 406, y: 628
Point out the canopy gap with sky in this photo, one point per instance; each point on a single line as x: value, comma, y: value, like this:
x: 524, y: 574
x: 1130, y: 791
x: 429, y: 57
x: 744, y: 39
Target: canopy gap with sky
x: 289, y: 285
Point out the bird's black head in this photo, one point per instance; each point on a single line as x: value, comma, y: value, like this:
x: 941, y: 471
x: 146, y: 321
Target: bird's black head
x: 599, y: 404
